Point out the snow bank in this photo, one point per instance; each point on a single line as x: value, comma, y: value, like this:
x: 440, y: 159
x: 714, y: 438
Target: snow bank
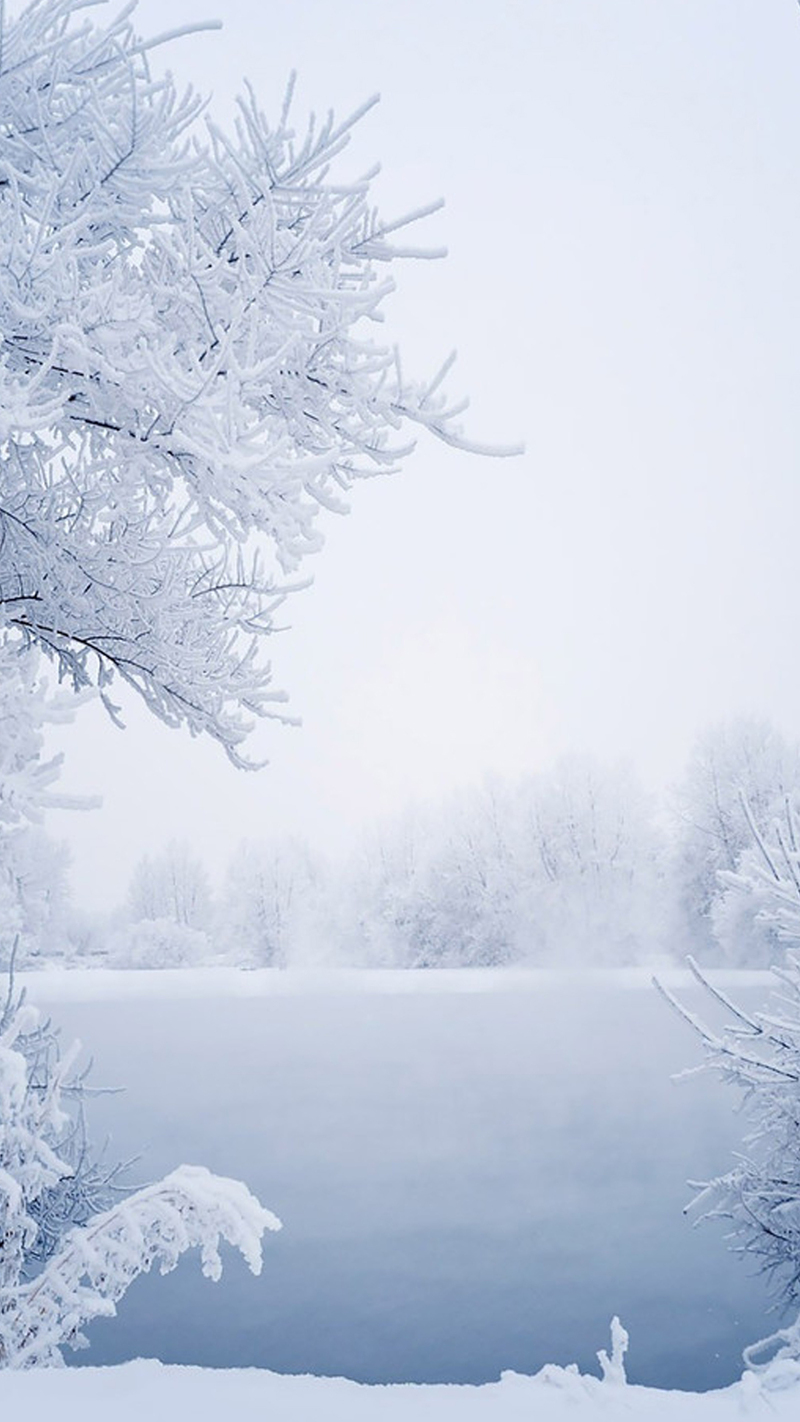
x: 79, y: 984
x: 149, y: 1389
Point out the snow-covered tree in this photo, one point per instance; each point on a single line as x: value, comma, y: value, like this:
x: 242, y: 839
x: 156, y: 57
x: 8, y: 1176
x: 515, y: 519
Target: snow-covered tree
x: 465, y: 915
x: 269, y: 904
x: 757, y: 912
x: 384, y: 906
x: 759, y: 1053
x: 741, y: 762
x: 37, y: 876
x: 566, y: 866
x: 188, y: 374
x: 171, y: 885
x: 26, y: 708
x: 66, y: 1253
x: 188, y: 370
x: 593, y: 890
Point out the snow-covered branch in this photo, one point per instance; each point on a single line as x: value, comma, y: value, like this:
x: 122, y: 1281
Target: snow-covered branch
x: 188, y: 368
x: 189, y: 1208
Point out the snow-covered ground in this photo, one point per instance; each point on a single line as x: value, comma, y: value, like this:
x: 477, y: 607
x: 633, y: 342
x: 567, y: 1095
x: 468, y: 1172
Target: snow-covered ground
x: 138, y: 1390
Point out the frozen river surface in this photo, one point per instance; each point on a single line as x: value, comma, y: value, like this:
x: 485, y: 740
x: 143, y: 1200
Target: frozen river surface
x: 469, y: 1181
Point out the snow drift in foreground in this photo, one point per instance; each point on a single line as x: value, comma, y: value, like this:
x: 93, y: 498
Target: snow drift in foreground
x: 149, y: 1389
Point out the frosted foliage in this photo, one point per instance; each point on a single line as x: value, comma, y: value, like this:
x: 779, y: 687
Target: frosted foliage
x: 92, y: 1264
x: 188, y: 370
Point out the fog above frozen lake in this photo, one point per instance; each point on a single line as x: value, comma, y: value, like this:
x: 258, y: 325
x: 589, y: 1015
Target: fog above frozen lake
x: 469, y: 1181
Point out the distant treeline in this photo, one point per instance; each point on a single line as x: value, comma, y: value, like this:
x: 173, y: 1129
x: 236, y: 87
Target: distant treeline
x: 575, y: 866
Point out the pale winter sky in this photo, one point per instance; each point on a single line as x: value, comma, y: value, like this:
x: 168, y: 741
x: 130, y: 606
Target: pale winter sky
x: 622, y: 180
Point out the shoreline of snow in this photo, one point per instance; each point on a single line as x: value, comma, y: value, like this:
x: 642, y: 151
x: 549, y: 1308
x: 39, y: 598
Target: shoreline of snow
x: 84, y: 984
x: 129, y: 1391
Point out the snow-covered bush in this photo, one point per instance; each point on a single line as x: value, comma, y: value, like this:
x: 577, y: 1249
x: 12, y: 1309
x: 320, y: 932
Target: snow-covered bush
x: 158, y: 943
x: 64, y: 1257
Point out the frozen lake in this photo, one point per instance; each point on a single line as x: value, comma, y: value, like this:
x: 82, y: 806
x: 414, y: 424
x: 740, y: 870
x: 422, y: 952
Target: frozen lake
x: 468, y: 1180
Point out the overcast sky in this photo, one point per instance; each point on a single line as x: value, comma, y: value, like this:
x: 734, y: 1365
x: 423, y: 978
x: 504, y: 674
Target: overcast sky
x: 623, y: 218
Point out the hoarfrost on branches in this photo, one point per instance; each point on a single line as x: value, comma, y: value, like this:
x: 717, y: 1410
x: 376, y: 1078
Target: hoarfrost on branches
x: 187, y: 371
x: 759, y: 1052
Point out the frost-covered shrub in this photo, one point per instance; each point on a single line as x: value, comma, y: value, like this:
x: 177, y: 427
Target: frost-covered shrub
x: 61, y: 1267
x: 158, y: 943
